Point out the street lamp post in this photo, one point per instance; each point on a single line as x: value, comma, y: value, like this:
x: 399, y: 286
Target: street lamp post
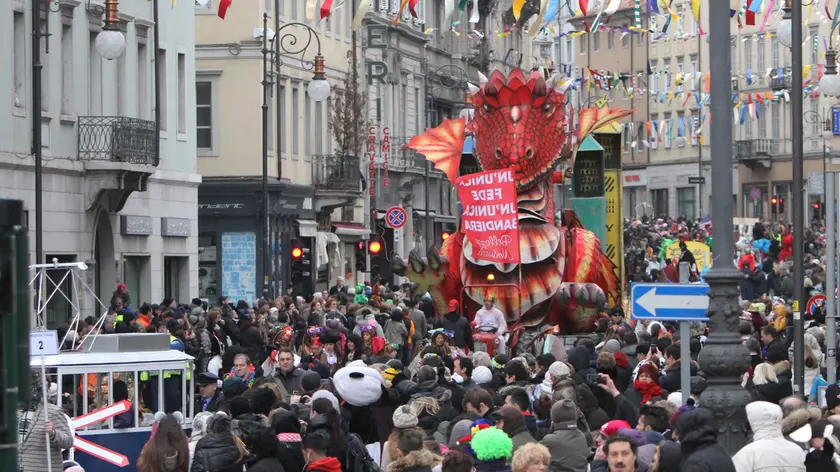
x: 724, y: 359
x: 790, y: 35
x: 446, y: 77
x: 813, y: 118
x: 275, y: 44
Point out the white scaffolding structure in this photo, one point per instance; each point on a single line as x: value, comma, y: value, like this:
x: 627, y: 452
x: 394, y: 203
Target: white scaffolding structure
x: 73, y: 271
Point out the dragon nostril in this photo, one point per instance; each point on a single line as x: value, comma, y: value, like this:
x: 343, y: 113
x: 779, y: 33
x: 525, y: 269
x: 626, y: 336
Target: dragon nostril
x: 529, y: 153
x: 498, y: 153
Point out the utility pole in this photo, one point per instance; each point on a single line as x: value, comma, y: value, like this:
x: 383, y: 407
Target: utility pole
x: 37, y: 70
x: 798, y: 194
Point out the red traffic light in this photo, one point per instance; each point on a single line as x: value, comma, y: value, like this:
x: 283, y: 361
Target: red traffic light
x: 444, y: 236
x: 375, y: 247
x: 816, y: 206
x: 361, y: 245
x: 297, y: 253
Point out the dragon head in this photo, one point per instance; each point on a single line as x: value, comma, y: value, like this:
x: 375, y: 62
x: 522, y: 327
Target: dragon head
x: 519, y: 123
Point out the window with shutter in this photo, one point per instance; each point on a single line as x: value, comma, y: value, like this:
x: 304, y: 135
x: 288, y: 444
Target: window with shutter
x: 383, y: 6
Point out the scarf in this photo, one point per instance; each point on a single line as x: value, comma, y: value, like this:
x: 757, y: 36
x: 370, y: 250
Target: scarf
x: 289, y: 437
x: 249, y: 379
x: 647, y: 390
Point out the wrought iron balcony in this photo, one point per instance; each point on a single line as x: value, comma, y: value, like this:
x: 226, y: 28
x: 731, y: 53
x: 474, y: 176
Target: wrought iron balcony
x: 117, y: 139
x: 758, y: 148
x: 336, y: 173
x: 780, y: 83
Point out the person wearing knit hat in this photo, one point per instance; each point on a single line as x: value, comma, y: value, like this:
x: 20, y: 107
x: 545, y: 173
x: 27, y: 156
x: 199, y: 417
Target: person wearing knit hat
x: 556, y: 371
x: 404, y: 417
x: 646, y: 385
x: 612, y: 346
x: 492, y: 449
x: 328, y: 395
x: 460, y: 431
x: 482, y: 376
x: 566, y: 442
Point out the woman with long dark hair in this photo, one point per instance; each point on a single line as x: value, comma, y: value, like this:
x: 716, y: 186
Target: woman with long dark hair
x: 324, y: 417
x: 354, y: 349
x: 167, y: 449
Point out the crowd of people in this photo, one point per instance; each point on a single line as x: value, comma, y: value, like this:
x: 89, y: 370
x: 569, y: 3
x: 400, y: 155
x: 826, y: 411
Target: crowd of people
x: 363, y: 379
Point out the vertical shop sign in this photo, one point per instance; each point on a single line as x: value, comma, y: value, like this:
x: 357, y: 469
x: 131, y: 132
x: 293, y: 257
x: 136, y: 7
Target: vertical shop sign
x: 385, y: 149
x: 371, y: 154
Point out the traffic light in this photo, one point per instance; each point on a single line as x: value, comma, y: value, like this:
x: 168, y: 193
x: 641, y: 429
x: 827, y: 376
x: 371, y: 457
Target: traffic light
x: 300, y: 260
x: 374, y: 247
x: 818, y: 214
x: 781, y: 205
x: 774, y: 200
x: 361, y: 256
x: 444, y: 236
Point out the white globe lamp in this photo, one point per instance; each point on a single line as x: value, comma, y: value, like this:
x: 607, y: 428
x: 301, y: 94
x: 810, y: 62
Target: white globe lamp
x: 319, y: 88
x: 785, y: 32
x: 110, y: 44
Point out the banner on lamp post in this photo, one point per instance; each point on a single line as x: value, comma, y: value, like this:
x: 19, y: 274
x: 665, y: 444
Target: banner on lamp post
x: 385, y: 149
x: 371, y: 155
x: 489, y: 216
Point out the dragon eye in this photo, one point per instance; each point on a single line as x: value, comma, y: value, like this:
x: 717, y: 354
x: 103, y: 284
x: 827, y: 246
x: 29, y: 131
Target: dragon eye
x: 548, y: 108
x: 486, y: 108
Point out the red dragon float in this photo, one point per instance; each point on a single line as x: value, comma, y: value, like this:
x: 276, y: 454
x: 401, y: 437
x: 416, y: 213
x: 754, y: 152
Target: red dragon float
x: 520, y: 123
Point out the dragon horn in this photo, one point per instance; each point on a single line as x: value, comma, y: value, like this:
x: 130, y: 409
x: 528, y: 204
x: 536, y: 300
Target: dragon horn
x: 482, y: 79
x: 473, y: 89
x: 554, y: 80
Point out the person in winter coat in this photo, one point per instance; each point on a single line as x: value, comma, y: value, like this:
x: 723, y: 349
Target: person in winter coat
x: 404, y: 419
x: 263, y: 446
x: 770, y: 383
x: 670, y: 381
x: 199, y: 430
x: 458, y: 325
x: 287, y: 428
x: 566, y: 443
x: 328, y: 421
x: 219, y: 450
x: 250, y: 339
x: 698, y: 431
x: 35, y: 427
x: 748, y: 284
x: 167, y: 449
x: 646, y: 386
x: 492, y: 450
x: 618, y: 454
x: 512, y: 422
x: 769, y: 449
x: 395, y: 331
x: 411, y: 456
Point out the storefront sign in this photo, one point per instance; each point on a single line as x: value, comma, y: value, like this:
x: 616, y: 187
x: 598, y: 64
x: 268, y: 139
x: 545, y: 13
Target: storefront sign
x: 377, y: 39
x: 229, y: 207
x: 490, y: 218
x: 371, y: 154
x: 634, y: 178
x: 385, y: 149
x: 287, y: 206
x: 175, y: 227
x: 135, y: 225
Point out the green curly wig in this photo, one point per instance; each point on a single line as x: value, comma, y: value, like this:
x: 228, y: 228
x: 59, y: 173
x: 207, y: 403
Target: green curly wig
x: 490, y: 444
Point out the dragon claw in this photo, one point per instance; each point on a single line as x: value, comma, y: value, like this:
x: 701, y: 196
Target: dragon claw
x: 416, y: 262
x: 398, y: 265
x: 434, y: 258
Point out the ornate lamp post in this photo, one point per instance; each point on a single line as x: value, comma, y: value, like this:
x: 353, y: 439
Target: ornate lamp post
x: 723, y: 358
x: 445, y: 78
x: 276, y: 43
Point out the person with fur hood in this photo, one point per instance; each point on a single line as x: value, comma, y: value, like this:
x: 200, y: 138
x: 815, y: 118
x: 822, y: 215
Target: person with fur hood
x: 405, y: 420
x: 411, y: 456
x: 771, y: 382
x: 814, y: 360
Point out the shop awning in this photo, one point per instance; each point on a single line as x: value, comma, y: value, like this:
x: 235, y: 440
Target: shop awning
x: 350, y: 229
x: 307, y: 228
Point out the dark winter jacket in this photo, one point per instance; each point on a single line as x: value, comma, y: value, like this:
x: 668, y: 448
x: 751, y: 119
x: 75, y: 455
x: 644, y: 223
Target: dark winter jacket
x: 217, y: 453
x: 603, y: 466
x: 265, y: 464
x: 460, y: 326
x: 290, y: 455
x: 251, y: 341
x: 700, y: 448
x: 670, y: 381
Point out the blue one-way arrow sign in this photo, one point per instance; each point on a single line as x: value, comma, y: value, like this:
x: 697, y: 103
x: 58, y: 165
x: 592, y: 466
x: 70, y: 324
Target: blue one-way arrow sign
x: 671, y: 302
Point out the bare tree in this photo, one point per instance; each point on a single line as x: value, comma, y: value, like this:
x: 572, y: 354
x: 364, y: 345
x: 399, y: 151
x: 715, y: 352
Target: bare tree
x: 348, y: 119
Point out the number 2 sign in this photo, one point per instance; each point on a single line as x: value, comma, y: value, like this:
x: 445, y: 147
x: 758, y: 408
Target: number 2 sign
x: 43, y: 343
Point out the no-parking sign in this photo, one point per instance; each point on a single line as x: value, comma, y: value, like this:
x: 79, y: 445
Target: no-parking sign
x: 396, y: 217
x: 814, y: 302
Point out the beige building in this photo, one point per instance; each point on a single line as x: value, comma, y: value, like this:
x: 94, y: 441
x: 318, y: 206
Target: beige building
x: 307, y: 188
x: 611, y: 54
x: 763, y: 149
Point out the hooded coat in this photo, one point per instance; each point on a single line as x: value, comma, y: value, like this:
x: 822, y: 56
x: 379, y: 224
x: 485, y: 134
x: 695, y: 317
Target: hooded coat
x: 769, y: 391
x: 217, y: 453
x: 460, y: 327
x: 415, y: 461
x: 566, y: 443
x: 698, y: 441
x: 769, y: 449
x: 514, y: 427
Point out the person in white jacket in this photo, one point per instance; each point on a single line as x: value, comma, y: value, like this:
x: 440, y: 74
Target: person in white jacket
x: 769, y: 449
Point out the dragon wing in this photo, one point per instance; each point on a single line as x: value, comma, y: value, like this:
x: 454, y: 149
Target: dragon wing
x: 442, y: 146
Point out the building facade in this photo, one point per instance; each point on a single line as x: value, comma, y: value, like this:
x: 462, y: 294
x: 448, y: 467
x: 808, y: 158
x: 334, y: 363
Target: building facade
x: 111, y: 197
x: 311, y: 192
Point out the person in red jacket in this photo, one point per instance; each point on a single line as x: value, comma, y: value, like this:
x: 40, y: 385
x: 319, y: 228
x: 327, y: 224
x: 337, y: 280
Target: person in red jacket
x: 315, y: 447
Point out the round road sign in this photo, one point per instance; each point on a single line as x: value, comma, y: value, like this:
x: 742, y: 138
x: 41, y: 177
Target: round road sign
x: 396, y: 217
x: 814, y: 302
x: 755, y: 193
